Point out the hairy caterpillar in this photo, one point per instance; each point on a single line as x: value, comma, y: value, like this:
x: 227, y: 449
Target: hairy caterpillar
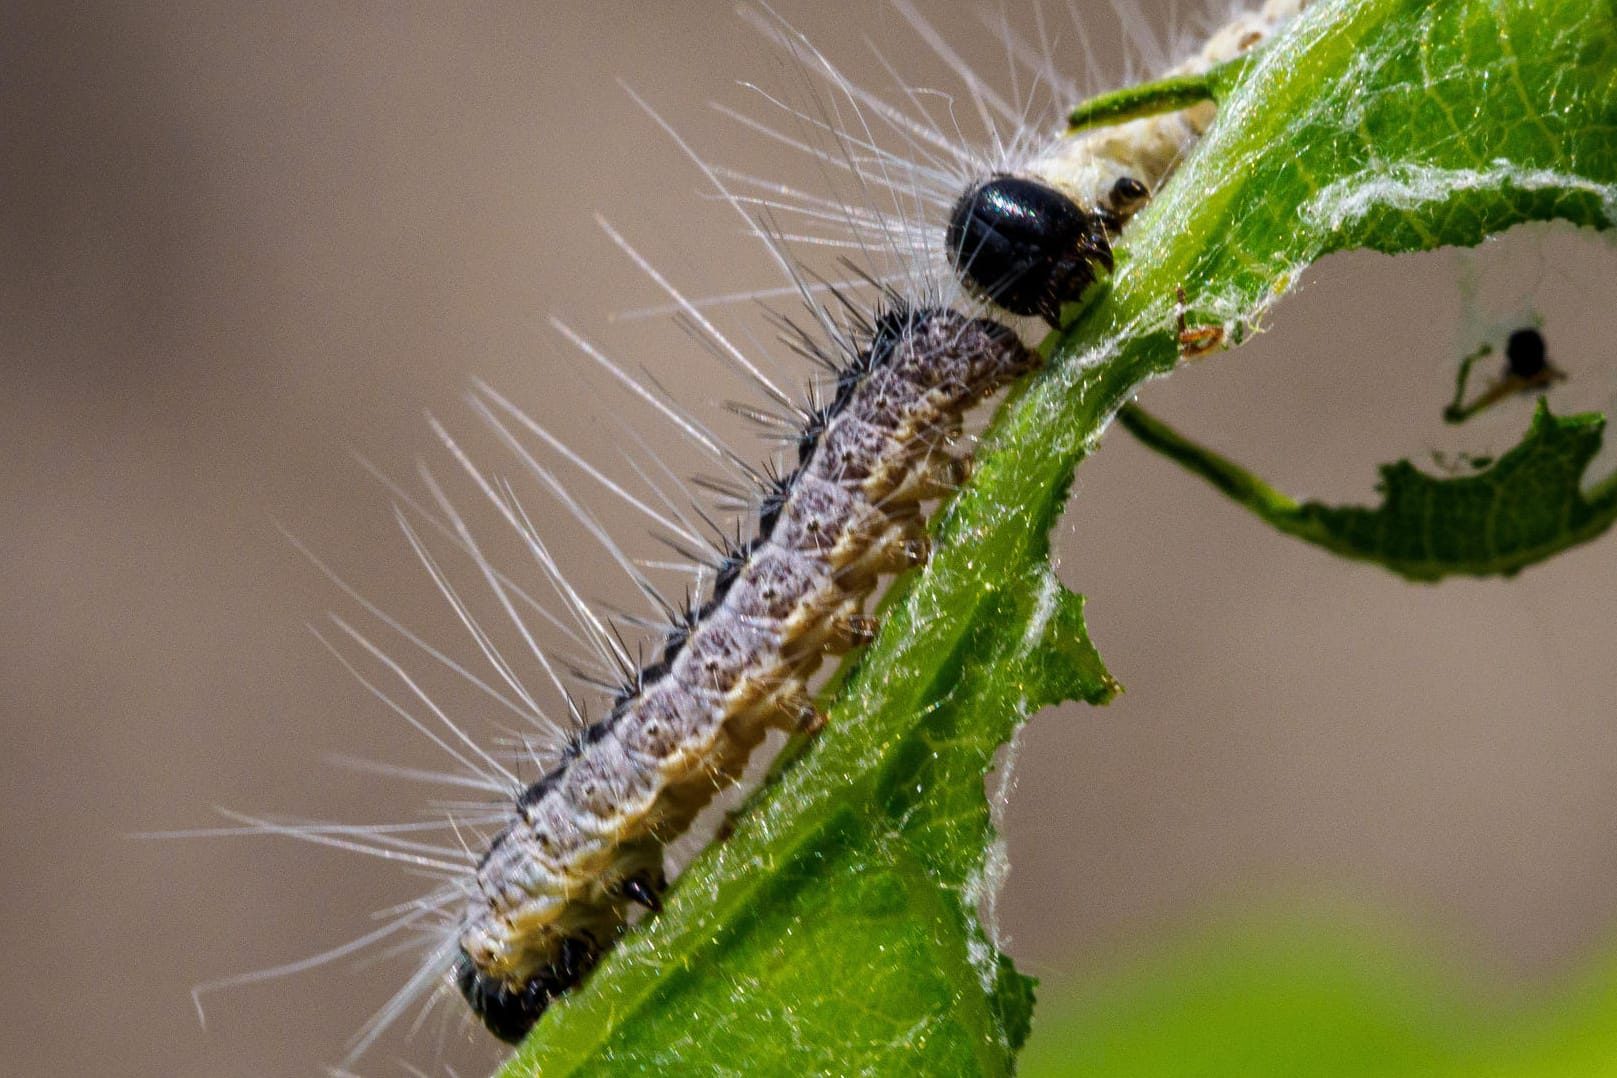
x: 578, y: 849
x: 587, y: 843
x: 587, y: 839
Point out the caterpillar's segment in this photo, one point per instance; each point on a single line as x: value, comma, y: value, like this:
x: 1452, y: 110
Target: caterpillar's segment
x: 585, y: 847
x: 1035, y: 237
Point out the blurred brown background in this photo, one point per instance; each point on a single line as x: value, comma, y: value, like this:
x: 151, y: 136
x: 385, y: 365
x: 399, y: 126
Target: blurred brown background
x: 239, y: 242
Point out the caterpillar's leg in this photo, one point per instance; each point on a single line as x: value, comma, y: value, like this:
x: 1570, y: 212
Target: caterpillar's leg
x: 645, y: 890
x: 853, y: 631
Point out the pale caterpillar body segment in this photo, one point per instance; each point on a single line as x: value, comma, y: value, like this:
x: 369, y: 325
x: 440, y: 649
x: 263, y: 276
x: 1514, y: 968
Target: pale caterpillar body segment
x: 1034, y: 236
x: 1089, y: 164
x: 586, y: 841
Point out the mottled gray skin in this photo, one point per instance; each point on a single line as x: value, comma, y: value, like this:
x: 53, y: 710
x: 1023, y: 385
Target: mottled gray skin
x: 850, y: 512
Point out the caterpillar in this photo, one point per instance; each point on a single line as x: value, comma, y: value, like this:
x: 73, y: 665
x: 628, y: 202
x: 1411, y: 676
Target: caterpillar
x: 1027, y: 228
x: 587, y: 842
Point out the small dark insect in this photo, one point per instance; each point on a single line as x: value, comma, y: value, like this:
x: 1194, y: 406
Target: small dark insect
x: 1527, y: 369
x: 1525, y: 354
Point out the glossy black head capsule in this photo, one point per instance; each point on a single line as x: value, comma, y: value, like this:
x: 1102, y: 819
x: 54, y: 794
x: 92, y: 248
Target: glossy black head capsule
x: 1026, y: 246
x: 510, y: 1012
x: 1526, y: 354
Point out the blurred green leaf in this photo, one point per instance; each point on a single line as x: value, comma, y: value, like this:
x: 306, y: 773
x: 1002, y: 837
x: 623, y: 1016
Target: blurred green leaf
x: 1524, y: 507
x: 1318, y: 995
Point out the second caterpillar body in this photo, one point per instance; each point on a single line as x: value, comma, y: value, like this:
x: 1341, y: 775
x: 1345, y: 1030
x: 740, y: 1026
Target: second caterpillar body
x: 585, y: 843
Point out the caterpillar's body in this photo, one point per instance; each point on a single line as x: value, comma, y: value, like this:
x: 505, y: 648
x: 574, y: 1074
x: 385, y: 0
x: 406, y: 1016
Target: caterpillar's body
x: 556, y: 885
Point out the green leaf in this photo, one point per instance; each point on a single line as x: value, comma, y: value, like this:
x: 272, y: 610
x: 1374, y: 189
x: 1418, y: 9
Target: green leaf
x: 1317, y: 992
x: 1298, y: 994
x: 1523, y: 508
x: 836, y: 931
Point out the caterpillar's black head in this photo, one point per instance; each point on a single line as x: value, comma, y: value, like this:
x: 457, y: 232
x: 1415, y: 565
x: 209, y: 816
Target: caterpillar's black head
x: 1026, y: 246
x: 509, y: 1011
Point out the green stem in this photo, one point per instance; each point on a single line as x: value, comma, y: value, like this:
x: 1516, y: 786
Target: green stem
x: 1549, y: 461
x: 1154, y: 98
x: 1274, y: 506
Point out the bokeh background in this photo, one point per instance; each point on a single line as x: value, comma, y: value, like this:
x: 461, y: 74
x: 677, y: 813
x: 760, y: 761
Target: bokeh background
x: 241, y: 243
